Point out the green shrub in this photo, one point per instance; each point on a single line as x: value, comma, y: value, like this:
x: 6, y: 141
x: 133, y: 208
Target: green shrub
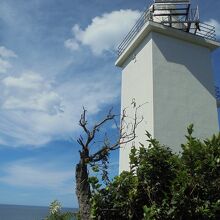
x: 55, y: 212
x: 164, y: 185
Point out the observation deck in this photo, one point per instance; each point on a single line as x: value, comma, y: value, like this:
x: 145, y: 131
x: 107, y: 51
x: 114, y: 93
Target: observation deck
x: 176, y: 14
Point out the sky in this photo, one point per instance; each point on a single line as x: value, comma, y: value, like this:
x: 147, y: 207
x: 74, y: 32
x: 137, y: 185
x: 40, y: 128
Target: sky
x: 57, y: 56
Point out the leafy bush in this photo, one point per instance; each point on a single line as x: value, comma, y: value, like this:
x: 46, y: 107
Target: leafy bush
x: 55, y: 212
x: 164, y: 185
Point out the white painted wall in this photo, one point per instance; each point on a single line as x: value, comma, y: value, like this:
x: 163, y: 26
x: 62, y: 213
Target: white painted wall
x: 171, y: 72
x: 137, y: 83
x: 183, y: 90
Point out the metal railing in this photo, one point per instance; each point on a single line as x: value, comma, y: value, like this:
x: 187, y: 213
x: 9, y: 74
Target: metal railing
x: 197, y: 28
x: 133, y: 32
x: 207, y: 31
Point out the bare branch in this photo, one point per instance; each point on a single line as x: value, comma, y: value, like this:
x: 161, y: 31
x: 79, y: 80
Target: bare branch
x: 83, y: 122
x: 127, y: 133
x: 96, y: 128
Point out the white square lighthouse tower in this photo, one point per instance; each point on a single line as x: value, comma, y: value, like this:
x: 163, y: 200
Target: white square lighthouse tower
x: 166, y: 68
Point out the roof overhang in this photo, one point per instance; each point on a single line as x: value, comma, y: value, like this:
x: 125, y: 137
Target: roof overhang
x: 151, y: 26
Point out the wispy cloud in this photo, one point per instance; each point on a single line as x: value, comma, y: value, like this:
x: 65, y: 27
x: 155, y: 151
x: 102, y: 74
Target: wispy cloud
x: 30, y: 174
x: 4, y: 66
x: 39, y: 103
x: 5, y: 54
x: 35, y: 110
x: 104, y: 32
x: 27, y: 80
x: 30, y: 91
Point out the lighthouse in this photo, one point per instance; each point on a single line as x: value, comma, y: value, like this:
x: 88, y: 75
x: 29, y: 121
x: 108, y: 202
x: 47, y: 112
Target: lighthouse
x: 166, y: 69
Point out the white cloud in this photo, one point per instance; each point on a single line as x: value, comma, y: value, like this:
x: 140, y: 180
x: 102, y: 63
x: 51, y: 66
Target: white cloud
x: 30, y: 91
x: 4, y: 66
x: 6, y: 53
x: 105, y: 32
x: 216, y: 24
x: 27, y: 80
x: 27, y: 104
x: 48, y: 102
x: 29, y: 175
x: 72, y: 44
x: 34, y: 111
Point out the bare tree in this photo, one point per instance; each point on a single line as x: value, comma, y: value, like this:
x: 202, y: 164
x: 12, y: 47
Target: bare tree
x: 127, y: 133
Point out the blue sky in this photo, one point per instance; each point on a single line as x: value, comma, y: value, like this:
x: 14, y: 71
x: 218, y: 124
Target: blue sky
x: 55, y: 57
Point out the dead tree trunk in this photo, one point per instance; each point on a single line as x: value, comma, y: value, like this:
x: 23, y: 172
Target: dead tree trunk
x: 83, y: 190
x: 87, y: 158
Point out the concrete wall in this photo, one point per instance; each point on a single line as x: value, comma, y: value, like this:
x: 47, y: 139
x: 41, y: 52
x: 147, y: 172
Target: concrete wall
x: 172, y: 78
x: 137, y: 83
x: 183, y: 90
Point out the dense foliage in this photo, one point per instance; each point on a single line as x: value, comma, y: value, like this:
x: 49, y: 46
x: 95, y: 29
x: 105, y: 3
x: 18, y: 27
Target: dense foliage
x: 164, y: 185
